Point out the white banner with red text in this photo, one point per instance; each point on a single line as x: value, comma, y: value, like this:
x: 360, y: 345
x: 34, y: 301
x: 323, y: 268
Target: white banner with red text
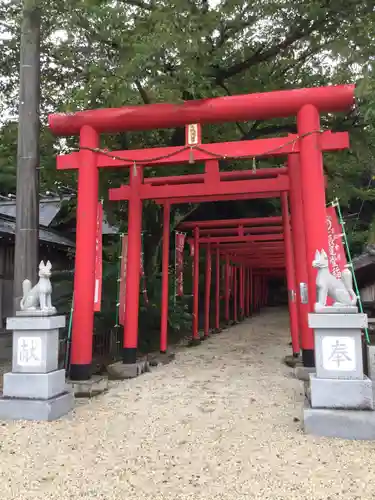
x: 98, y: 259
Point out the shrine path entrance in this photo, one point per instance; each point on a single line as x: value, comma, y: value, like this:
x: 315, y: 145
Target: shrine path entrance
x: 218, y: 423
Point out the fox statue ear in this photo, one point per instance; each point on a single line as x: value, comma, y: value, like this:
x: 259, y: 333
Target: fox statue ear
x: 323, y: 254
x: 317, y: 255
x: 41, y: 265
x: 48, y: 265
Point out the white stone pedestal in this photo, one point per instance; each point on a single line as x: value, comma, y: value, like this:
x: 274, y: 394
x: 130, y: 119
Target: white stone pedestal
x: 338, y: 344
x: 36, y: 388
x: 340, y: 398
x: 341, y: 394
x: 371, y: 361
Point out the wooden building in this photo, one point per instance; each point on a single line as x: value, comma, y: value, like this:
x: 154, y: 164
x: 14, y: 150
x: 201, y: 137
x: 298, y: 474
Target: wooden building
x: 364, y: 269
x: 56, y: 243
x: 57, y: 248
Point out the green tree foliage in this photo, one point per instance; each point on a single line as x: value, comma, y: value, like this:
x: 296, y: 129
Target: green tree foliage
x: 97, y: 53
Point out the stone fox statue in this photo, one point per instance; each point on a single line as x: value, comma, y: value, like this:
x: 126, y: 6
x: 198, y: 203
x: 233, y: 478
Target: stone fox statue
x: 341, y: 291
x: 38, y: 296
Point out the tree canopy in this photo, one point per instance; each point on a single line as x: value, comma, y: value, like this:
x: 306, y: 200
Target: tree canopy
x: 97, y: 53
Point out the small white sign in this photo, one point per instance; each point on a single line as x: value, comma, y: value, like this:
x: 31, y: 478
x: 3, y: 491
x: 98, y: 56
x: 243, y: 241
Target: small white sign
x: 193, y: 131
x: 29, y: 351
x: 339, y: 353
x: 96, y: 294
x: 303, y: 293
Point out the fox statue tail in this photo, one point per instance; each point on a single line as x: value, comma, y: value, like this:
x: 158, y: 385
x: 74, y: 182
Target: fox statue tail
x: 347, y: 279
x: 26, y: 287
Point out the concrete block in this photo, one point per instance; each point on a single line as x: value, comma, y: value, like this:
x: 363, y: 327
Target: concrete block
x: 35, y: 351
x: 303, y: 372
x: 121, y: 371
x: 348, y: 321
x: 344, y: 424
x: 34, y: 385
x: 341, y: 394
x: 36, y: 322
x: 194, y: 342
x: 164, y: 358
x: 88, y: 388
x: 35, y: 409
x: 293, y: 361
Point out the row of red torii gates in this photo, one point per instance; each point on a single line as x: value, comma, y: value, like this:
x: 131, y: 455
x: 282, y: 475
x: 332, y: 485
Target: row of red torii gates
x: 287, y: 242
x: 252, y: 251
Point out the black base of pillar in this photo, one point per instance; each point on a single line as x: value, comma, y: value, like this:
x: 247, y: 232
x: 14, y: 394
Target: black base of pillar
x: 129, y: 355
x: 215, y: 331
x: 308, y: 358
x: 80, y: 372
x: 296, y: 355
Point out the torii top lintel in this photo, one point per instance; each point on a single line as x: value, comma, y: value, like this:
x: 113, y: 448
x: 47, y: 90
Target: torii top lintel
x: 259, y: 106
x: 231, y: 223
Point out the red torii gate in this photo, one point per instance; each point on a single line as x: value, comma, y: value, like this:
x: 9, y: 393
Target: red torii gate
x: 236, y: 248
x: 246, y: 189
x: 220, y: 242
x: 306, y: 104
x: 273, y: 257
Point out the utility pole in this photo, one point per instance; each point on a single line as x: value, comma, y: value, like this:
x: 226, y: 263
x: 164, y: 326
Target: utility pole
x: 27, y: 193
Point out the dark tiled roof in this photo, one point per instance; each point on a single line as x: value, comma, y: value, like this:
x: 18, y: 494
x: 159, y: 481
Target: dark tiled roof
x: 8, y: 227
x: 48, y: 209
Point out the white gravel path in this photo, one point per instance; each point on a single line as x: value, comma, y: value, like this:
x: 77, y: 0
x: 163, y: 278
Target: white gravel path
x: 218, y: 423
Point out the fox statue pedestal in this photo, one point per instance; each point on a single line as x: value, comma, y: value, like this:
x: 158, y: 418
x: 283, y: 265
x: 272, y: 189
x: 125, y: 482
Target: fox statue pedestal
x: 339, y: 400
x: 36, y: 388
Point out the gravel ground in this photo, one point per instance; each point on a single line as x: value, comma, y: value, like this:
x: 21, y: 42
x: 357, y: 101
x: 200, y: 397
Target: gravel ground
x: 220, y: 422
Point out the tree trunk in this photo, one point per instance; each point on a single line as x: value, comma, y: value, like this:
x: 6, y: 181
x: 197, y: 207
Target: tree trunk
x: 27, y: 212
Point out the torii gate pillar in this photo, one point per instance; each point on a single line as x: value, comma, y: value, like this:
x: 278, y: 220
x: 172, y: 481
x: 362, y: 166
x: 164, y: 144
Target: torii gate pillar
x: 314, y: 201
x: 84, y: 276
x: 299, y: 247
